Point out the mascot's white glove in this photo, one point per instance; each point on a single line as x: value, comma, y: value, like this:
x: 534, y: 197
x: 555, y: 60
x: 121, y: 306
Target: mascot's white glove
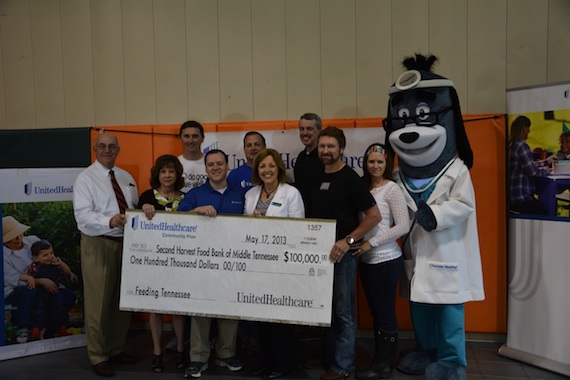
x: 425, y: 216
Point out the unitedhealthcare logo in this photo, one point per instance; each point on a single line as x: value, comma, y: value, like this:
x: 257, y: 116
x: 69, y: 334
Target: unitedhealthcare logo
x: 28, y: 188
x: 210, y: 147
x: 135, y: 223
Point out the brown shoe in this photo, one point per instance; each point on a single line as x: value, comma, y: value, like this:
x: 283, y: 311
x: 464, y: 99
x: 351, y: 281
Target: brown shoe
x: 122, y: 358
x: 313, y: 364
x: 103, y: 369
x: 333, y: 375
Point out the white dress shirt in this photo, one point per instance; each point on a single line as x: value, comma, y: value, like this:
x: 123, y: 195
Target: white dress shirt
x: 94, y: 201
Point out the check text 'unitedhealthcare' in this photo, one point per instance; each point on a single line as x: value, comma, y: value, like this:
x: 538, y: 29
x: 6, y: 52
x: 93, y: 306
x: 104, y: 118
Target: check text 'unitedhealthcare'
x: 164, y: 226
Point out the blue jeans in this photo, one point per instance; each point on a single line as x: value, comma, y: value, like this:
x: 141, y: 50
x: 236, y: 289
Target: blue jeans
x: 340, y: 339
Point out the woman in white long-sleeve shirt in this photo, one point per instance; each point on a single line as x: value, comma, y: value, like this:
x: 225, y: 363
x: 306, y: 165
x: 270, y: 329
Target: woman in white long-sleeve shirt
x: 271, y: 196
x: 381, y: 263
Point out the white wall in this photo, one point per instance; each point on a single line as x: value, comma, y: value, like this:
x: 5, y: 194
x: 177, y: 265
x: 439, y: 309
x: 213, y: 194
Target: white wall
x: 69, y: 63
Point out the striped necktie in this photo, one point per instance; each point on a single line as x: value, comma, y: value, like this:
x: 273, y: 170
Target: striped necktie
x: 118, y: 193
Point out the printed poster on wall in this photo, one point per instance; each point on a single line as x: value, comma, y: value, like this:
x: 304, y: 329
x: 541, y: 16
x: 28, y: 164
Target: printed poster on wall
x: 37, y: 208
x: 538, y: 260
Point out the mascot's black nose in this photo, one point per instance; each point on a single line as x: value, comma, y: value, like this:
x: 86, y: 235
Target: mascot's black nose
x: 409, y: 137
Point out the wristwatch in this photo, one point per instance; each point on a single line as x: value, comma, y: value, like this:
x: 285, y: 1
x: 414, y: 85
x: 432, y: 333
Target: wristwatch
x: 350, y: 240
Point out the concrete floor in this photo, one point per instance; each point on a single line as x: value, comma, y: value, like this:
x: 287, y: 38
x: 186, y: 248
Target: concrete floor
x: 483, y: 363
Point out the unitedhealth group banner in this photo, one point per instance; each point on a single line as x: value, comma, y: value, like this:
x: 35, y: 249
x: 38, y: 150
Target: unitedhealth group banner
x: 41, y: 199
x: 37, y: 172
x: 538, y: 259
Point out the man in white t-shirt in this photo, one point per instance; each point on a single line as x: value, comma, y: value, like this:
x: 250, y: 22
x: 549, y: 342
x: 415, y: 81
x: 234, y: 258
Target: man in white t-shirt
x: 192, y: 159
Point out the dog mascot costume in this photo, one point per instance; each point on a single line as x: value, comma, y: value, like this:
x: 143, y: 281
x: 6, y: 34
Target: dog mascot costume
x: 425, y: 129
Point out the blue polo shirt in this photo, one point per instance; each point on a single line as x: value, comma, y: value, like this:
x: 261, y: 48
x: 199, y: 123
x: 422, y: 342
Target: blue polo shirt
x: 241, y: 177
x: 230, y: 202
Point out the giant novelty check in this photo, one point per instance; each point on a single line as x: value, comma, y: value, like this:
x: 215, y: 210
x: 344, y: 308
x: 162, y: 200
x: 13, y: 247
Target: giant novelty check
x: 269, y: 269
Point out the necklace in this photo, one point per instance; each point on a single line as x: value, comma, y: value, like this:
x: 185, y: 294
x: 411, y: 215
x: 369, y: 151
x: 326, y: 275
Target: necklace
x: 268, y: 193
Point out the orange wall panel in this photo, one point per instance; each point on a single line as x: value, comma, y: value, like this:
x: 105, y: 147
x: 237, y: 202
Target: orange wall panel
x: 166, y: 140
x: 339, y: 123
x: 368, y: 123
x: 292, y: 124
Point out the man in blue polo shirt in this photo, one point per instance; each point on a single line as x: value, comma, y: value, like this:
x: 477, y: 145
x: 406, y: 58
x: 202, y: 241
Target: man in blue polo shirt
x: 253, y: 143
x: 216, y: 196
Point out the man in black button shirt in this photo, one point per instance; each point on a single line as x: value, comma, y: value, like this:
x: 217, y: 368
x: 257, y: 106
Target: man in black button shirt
x: 308, y: 164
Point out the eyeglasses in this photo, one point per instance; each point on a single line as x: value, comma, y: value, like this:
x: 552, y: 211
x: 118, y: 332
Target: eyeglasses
x: 427, y: 119
x: 105, y: 146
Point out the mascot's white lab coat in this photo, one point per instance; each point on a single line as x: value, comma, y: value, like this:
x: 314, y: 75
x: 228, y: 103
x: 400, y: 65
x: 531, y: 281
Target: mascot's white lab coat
x: 447, y: 266
x: 287, y: 202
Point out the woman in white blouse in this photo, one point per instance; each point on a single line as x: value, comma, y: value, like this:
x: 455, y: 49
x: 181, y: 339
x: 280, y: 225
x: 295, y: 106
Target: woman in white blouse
x: 271, y: 196
x: 381, y: 263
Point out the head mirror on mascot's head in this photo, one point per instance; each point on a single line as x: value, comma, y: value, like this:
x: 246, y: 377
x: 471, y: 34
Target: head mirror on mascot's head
x: 413, y: 79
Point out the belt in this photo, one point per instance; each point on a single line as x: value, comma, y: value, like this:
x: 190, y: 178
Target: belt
x: 114, y: 238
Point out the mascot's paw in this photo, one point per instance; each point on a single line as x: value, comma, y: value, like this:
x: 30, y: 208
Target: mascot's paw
x: 425, y: 216
x: 414, y: 361
x: 443, y: 370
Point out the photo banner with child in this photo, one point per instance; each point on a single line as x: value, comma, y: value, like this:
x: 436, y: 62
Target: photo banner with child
x: 36, y: 205
x: 242, y: 267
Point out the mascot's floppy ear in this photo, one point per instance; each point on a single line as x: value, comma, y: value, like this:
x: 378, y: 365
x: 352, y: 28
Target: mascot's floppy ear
x: 462, y: 142
x: 387, y: 124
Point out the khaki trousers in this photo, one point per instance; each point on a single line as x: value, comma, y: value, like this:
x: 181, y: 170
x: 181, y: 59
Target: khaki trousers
x: 200, y: 339
x: 105, y: 326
